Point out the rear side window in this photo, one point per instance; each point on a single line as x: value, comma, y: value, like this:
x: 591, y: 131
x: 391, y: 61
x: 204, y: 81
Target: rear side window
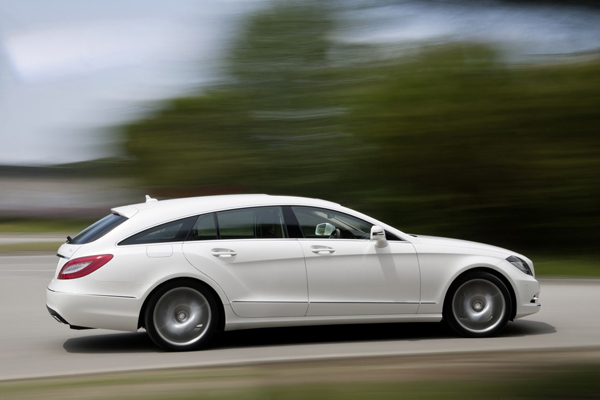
x: 98, y: 229
x: 174, y: 231
x: 205, y: 228
x: 251, y: 223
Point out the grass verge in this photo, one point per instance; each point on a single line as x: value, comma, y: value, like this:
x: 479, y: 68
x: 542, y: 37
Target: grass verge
x: 585, y: 266
x: 37, y: 247
x: 72, y: 226
x: 536, y: 375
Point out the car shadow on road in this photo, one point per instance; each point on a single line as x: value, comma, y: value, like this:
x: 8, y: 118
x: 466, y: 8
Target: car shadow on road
x: 139, y: 342
x: 527, y: 328
x: 331, y: 334
x: 361, y: 333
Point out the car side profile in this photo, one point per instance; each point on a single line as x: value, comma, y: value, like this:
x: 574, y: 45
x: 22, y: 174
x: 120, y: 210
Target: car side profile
x: 184, y: 269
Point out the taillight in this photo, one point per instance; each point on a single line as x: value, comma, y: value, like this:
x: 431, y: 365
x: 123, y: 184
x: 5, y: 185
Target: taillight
x: 83, y: 266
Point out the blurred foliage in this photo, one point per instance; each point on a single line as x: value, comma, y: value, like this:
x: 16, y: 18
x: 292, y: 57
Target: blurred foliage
x: 275, y: 127
x: 30, y: 247
x: 577, y: 266
x: 513, y: 381
x: 484, y: 150
x: 62, y: 225
x: 446, y: 141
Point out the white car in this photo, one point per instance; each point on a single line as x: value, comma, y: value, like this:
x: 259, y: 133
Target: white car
x: 187, y: 268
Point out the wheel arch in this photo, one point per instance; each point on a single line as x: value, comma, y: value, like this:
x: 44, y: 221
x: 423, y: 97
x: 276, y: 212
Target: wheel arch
x: 497, y: 274
x: 183, y: 281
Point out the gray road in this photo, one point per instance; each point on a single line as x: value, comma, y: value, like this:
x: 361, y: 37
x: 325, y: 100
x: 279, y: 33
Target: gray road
x: 32, y: 344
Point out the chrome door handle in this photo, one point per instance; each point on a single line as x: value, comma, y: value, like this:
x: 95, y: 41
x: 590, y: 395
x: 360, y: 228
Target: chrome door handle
x: 223, y: 253
x: 322, y: 249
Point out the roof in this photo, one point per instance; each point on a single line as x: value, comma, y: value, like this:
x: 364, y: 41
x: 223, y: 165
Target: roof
x: 179, y: 208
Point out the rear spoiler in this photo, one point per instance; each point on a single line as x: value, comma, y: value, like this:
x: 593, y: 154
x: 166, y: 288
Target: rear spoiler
x: 66, y: 250
x: 125, y: 211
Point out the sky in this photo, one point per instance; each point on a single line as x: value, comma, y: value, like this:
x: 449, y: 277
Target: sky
x: 72, y: 71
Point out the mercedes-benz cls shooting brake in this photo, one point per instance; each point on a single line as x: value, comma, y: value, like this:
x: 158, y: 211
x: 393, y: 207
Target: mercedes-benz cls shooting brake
x: 187, y: 268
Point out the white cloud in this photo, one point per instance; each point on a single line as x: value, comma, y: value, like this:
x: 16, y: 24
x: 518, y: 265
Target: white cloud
x: 65, y: 51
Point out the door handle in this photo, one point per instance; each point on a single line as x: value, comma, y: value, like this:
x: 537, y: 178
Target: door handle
x: 322, y: 249
x: 224, y: 253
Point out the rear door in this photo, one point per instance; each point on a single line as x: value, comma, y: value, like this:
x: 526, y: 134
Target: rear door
x: 248, y: 252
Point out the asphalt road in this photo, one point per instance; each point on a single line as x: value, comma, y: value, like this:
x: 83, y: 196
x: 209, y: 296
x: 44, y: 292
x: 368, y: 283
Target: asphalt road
x: 32, y: 344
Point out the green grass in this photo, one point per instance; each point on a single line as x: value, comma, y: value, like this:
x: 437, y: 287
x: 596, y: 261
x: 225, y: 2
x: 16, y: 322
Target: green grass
x: 580, y: 266
x: 30, y: 247
x: 67, y: 226
x: 585, y: 266
x: 292, y: 382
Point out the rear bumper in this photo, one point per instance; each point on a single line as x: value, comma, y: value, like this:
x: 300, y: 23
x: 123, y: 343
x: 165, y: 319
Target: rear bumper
x: 93, y: 311
x: 57, y: 316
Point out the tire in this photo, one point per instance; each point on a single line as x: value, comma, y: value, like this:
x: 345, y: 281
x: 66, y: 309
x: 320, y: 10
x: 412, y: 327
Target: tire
x: 478, y: 304
x: 181, y: 316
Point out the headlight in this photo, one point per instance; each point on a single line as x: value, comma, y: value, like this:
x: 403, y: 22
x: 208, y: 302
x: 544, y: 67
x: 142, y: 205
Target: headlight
x: 521, y: 264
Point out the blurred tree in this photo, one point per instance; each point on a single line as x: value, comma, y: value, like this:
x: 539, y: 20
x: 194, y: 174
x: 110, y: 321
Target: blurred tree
x: 484, y: 150
x: 446, y: 141
x: 273, y: 127
x: 192, y: 142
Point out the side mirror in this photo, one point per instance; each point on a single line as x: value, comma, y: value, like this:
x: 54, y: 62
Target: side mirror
x: 378, y: 235
x: 324, y: 229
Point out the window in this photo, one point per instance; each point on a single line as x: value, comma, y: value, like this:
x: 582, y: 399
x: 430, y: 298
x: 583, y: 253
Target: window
x: 390, y: 236
x: 251, y: 223
x: 204, y: 228
x: 98, y: 229
x: 321, y: 223
x: 175, y: 231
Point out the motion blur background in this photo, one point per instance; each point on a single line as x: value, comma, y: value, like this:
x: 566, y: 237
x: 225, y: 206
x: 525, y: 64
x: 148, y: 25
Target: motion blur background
x: 475, y: 119
x: 470, y: 119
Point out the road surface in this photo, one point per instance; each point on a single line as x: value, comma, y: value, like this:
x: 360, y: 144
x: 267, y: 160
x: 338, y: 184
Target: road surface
x: 32, y: 344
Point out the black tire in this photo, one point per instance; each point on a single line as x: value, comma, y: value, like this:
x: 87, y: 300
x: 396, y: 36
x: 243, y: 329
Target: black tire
x: 477, y: 304
x: 181, y: 316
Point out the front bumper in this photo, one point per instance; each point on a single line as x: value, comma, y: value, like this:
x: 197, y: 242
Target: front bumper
x: 528, y: 294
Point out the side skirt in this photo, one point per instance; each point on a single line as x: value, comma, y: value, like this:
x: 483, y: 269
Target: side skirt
x: 233, y: 322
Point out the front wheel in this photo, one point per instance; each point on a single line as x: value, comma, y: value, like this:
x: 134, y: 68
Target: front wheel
x: 477, y: 305
x: 181, y: 316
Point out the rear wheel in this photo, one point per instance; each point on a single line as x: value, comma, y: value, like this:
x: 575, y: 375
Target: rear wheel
x: 181, y: 316
x: 477, y: 305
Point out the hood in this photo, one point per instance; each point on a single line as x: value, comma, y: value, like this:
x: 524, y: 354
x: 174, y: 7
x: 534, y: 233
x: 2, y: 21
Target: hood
x: 464, y: 244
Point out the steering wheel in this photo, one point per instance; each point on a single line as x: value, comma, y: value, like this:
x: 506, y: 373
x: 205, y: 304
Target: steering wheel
x: 335, y: 234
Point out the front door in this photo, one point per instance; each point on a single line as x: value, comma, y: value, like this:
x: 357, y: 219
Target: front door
x: 348, y: 274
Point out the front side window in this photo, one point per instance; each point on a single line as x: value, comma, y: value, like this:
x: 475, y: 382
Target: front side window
x: 98, y: 229
x: 320, y: 223
x: 174, y: 231
x: 251, y: 223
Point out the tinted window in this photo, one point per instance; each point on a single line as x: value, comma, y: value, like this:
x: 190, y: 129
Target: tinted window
x: 98, y: 229
x: 322, y: 223
x: 175, y: 231
x: 204, y: 228
x: 251, y: 223
x: 391, y: 236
